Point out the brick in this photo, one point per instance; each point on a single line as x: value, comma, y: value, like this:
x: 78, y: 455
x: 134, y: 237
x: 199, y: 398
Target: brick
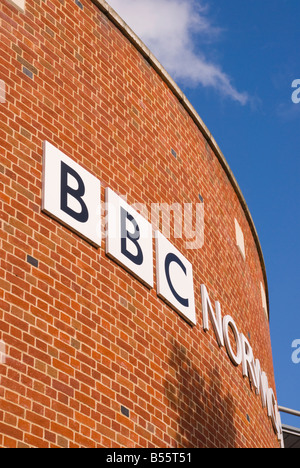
x: 11, y: 431
x: 37, y: 419
x: 35, y: 441
x: 83, y: 337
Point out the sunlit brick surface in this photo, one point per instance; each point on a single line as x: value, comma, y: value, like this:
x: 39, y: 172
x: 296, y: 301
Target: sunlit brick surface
x: 93, y: 357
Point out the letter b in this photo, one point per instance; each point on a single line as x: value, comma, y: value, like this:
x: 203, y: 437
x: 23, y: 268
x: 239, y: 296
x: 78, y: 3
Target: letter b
x: 77, y: 194
x: 71, y: 194
x: 129, y: 238
x: 133, y: 237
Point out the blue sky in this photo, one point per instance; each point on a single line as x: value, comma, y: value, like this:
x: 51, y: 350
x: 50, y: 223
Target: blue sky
x: 243, y: 57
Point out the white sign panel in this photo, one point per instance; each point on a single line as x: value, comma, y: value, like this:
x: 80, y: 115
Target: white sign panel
x: 175, y: 282
x: 71, y: 194
x: 129, y: 239
x: 2, y: 92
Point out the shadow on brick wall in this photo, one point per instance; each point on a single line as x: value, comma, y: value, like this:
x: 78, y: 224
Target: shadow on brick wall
x: 197, y: 401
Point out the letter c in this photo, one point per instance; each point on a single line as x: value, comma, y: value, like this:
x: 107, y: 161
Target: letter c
x: 172, y: 258
x: 78, y: 193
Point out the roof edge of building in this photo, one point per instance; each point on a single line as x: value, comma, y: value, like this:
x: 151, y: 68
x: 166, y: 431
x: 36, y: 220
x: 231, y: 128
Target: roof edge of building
x: 145, y: 51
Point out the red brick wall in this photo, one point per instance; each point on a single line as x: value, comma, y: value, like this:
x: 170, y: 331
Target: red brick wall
x: 83, y: 338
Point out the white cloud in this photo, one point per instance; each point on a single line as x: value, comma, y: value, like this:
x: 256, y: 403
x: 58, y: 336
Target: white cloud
x: 173, y: 29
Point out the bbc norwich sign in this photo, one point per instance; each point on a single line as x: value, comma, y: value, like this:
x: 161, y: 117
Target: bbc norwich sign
x: 72, y: 196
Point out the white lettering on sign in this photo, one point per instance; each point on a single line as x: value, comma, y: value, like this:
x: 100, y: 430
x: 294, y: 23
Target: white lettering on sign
x: 235, y: 356
x: 129, y: 238
x: 175, y: 282
x: 207, y: 310
x: 71, y: 194
x: 242, y: 355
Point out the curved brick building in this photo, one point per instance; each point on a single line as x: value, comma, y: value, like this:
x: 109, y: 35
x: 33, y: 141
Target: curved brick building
x: 133, y: 293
